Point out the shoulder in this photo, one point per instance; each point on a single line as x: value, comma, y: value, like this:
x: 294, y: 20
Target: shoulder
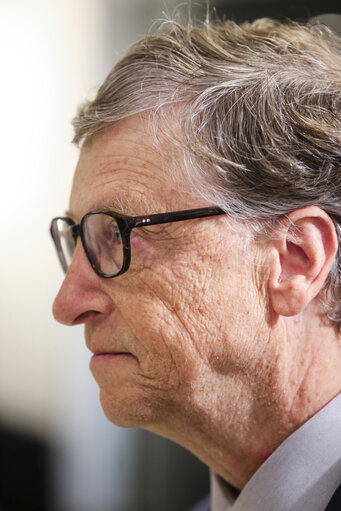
x: 203, y: 505
x: 335, y: 502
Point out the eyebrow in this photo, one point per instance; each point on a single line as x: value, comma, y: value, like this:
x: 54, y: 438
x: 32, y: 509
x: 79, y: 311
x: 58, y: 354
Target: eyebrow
x: 130, y: 206
x: 124, y: 206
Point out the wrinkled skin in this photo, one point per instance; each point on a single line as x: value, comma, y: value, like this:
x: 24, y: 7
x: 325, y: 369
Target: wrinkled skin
x: 194, y: 348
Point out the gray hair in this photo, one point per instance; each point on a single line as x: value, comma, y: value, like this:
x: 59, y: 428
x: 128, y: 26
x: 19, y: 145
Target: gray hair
x: 258, y: 106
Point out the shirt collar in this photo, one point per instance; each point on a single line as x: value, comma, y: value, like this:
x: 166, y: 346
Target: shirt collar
x: 301, y: 474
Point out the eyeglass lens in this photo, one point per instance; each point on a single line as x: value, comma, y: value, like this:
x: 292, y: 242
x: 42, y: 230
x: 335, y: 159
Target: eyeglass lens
x: 62, y: 235
x: 103, y: 240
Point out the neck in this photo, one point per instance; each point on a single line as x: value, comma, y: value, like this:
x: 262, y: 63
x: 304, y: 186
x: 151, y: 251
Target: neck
x: 240, y: 419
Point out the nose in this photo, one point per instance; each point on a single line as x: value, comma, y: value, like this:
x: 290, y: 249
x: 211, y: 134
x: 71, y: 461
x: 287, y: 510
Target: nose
x: 81, y: 295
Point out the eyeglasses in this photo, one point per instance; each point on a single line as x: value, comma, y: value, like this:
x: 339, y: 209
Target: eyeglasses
x: 106, y: 236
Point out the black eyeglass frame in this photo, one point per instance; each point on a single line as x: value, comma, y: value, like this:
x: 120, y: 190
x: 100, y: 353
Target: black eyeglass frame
x: 125, y: 225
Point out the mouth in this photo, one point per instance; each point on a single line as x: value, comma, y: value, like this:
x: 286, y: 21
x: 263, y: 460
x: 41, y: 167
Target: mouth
x: 102, y: 352
x: 104, y: 360
x: 112, y: 354
x: 99, y: 351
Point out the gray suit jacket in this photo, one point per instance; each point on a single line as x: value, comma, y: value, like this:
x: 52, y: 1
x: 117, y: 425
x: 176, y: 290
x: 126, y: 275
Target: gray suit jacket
x: 203, y: 505
x: 335, y: 501
x: 333, y: 505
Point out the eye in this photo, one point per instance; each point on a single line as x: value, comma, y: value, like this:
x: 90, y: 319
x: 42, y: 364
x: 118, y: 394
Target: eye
x: 116, y: 235
x: 111, y: 232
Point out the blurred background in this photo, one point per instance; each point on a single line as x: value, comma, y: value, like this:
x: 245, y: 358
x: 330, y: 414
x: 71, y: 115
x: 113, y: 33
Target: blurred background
x: 57, y: 450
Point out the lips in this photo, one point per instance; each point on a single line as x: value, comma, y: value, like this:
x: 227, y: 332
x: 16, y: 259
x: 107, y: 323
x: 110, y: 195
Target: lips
x: 103, y: 351
x: 104, y: 360
x: 100, y: 344
x: 112, y: 353
x: 101, y: 348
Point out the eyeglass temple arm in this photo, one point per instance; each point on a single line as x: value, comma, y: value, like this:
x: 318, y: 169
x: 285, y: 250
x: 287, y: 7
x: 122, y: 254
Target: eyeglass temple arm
x: 177, y: 216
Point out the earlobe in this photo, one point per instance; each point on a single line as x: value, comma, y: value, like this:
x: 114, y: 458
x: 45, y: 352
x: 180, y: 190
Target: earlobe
x: 301, y: 259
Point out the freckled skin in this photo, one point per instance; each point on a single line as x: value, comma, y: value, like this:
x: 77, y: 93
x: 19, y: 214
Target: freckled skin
x: 207, y: 366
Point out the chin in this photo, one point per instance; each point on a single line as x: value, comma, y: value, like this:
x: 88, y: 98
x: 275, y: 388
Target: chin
x: 127, y: 411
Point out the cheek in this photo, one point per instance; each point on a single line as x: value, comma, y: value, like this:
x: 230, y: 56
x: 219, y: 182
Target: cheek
x: 178, y: 309
x: 157, y: 314
x: 191, y: 313
x: 212, y: 312
x: 153, y: 332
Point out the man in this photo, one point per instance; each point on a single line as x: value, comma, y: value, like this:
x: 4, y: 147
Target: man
x: 202, y: 253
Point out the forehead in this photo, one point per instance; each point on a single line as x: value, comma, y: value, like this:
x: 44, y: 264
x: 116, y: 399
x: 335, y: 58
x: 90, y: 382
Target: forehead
x: 121, y: 168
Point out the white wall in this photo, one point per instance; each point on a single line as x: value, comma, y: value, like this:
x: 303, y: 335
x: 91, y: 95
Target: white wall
x: 52, y: 53
x: 43, y: 74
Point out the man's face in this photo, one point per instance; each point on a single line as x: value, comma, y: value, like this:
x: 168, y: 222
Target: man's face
x: 173, y: 336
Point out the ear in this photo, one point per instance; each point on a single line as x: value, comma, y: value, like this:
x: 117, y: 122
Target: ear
x: 301, y: 259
